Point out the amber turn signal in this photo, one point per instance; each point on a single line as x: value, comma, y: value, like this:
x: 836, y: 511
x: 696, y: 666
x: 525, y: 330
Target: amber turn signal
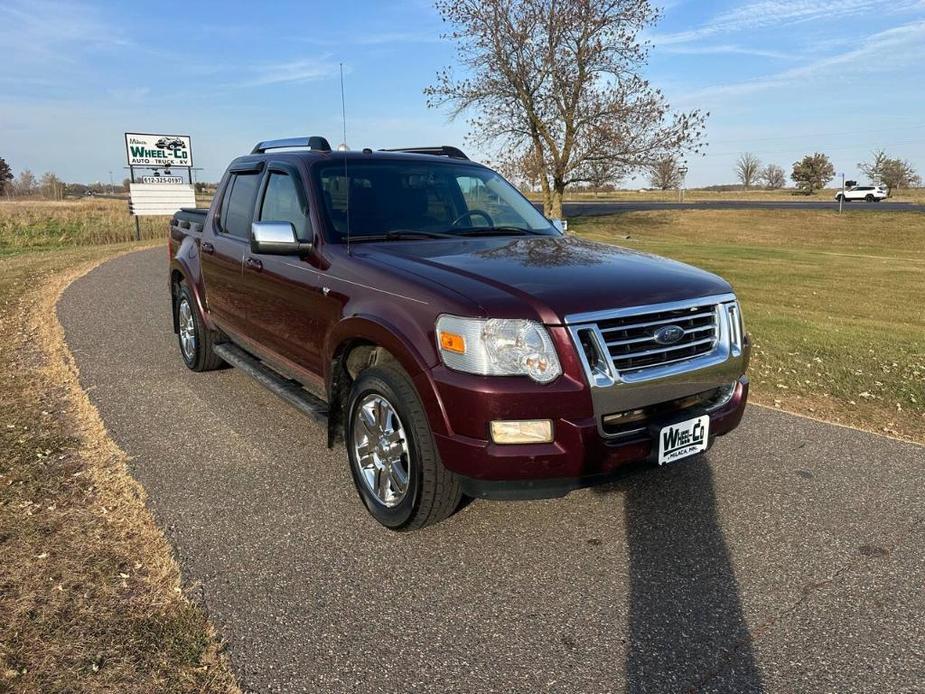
x: 452, y: 342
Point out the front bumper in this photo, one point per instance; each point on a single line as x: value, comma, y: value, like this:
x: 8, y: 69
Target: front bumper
x: 579, y: 456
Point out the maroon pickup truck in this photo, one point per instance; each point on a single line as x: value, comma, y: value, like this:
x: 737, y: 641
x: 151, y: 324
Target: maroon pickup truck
x: 450, y: 334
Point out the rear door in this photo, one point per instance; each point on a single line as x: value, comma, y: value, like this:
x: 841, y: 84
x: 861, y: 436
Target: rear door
x: 285, y: 300
x: 225, y: 249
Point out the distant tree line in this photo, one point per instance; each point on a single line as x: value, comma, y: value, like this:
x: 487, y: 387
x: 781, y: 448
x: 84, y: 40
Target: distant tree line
x: 49, y: 186
x: 814, y: 171
x: 26, y: 185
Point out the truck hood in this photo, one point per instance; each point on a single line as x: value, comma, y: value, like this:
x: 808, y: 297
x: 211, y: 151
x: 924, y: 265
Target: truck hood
x: 555, y: 275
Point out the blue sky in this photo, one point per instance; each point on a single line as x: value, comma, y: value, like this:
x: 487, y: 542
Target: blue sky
x: 779, y: 78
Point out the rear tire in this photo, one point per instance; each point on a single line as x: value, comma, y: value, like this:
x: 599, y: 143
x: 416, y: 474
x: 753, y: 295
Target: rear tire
x: 195, y: 340
x: 393, y: 457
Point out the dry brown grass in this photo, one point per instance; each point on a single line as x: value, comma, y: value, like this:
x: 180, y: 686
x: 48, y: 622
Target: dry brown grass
x: 90, y: 595
x: 37, y: 224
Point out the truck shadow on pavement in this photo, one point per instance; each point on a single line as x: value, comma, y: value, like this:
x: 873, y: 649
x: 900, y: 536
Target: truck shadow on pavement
x: 687, y: 630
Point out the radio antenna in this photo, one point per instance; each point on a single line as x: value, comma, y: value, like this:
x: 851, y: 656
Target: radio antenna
x: 343, y: 115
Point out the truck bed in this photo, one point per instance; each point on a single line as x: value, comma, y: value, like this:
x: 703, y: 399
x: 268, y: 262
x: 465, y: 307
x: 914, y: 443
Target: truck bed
x: 189, y: 220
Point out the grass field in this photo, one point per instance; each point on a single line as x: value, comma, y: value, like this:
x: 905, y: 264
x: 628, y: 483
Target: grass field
x: 913, y: 195
x: 834, y: 303
x: 43, y: 225
x: 90, y: 596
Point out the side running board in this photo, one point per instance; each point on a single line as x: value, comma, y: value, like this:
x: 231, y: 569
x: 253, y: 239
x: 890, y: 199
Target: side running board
x: 287, y: 389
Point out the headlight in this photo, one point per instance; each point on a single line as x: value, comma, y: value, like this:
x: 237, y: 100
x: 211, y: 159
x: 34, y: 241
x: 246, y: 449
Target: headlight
x: 498, y: 347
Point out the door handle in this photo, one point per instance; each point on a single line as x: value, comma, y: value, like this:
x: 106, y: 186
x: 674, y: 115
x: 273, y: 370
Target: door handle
x: 207, y: 247
x: 254, y: 264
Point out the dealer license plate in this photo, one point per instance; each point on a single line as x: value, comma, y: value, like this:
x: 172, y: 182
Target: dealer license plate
x: 677, y: 441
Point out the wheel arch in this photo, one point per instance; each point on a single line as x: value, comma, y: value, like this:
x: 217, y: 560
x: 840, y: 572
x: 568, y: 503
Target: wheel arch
x: 180, y: 272
x: 363, y: 341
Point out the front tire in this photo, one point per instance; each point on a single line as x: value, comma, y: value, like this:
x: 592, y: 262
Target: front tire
x: 195, y: 340
x: 393, y: 457
x: 869, y: 198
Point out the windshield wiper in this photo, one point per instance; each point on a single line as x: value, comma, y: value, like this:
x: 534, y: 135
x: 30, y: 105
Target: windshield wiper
x: 397, y: 234
x: 496, y: 231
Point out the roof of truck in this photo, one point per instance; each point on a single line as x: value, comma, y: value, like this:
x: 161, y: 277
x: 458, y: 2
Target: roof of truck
x: 316, y: 148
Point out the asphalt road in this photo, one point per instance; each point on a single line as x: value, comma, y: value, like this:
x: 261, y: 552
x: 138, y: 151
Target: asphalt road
x: 589, y: 209
x: 789, y: 560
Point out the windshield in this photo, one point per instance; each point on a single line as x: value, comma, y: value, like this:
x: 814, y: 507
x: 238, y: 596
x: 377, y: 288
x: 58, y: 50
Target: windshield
x: 391, y: 197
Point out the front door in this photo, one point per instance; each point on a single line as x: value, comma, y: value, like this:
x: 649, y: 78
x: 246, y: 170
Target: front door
x: 224, y: 248
x: 284, y: 293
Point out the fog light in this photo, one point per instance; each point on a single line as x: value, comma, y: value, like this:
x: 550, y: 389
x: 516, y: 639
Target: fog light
x: 522, y: 431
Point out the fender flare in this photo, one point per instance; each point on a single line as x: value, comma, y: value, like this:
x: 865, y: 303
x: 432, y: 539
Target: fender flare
x: 178, y: 264
x: 375, y: 330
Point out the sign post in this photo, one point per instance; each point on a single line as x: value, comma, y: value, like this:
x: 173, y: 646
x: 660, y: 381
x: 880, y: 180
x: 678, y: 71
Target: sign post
x: 159, y: 194
x: 841, y: 198
x: 683, y: 171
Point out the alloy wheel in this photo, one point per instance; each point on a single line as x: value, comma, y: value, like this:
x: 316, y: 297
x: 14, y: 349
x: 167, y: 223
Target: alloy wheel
x: 187, y: 330
x: 380, y: 449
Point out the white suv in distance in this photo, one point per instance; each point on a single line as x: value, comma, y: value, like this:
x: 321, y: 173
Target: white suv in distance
x: 868, y: 193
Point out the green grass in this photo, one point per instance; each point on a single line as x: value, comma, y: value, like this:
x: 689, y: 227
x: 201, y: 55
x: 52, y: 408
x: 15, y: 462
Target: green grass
x: 834, y: 303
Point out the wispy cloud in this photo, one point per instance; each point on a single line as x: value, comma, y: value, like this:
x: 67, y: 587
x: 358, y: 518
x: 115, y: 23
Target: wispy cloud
x: 301, y: 70
x: 43, y: 30
x: 381, y: 38
x: 774, y: 13
x: 726, y: 49
x: 882, y: 52
x: 400, y: 37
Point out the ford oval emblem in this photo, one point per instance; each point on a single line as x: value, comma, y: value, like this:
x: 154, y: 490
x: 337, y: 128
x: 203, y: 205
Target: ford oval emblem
x: 668, y: 334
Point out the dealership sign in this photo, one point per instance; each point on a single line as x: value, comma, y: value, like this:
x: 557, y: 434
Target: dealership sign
x: 158, y: 151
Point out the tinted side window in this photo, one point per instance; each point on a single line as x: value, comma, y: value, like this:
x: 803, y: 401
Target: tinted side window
x: 238, y: 214
x: 281, y: 204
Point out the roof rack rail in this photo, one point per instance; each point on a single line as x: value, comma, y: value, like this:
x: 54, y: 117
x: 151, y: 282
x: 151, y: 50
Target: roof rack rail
x: 442, y: 151
x: 314, y: 142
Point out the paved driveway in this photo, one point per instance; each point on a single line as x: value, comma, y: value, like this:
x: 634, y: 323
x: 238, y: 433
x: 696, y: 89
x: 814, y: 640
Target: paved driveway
x: 790, y: 560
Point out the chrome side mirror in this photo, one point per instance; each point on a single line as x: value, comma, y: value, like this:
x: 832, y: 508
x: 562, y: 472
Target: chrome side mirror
x: 277, y: 238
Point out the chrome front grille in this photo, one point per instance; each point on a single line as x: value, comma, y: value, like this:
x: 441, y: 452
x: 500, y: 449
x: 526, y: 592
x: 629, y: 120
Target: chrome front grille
x: 632, y: 343
x: 655, y: 342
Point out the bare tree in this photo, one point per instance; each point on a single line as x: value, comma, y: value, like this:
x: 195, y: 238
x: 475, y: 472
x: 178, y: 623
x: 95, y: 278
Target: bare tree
x: 665, y: 174
x: 25, y: 183
x: 892, y: 173
x: 561, y: 78
x: 748, y: 167
x: 6, y: 175
x: 812, y: 172
x: 51, y: 186
x: 773, y: 176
